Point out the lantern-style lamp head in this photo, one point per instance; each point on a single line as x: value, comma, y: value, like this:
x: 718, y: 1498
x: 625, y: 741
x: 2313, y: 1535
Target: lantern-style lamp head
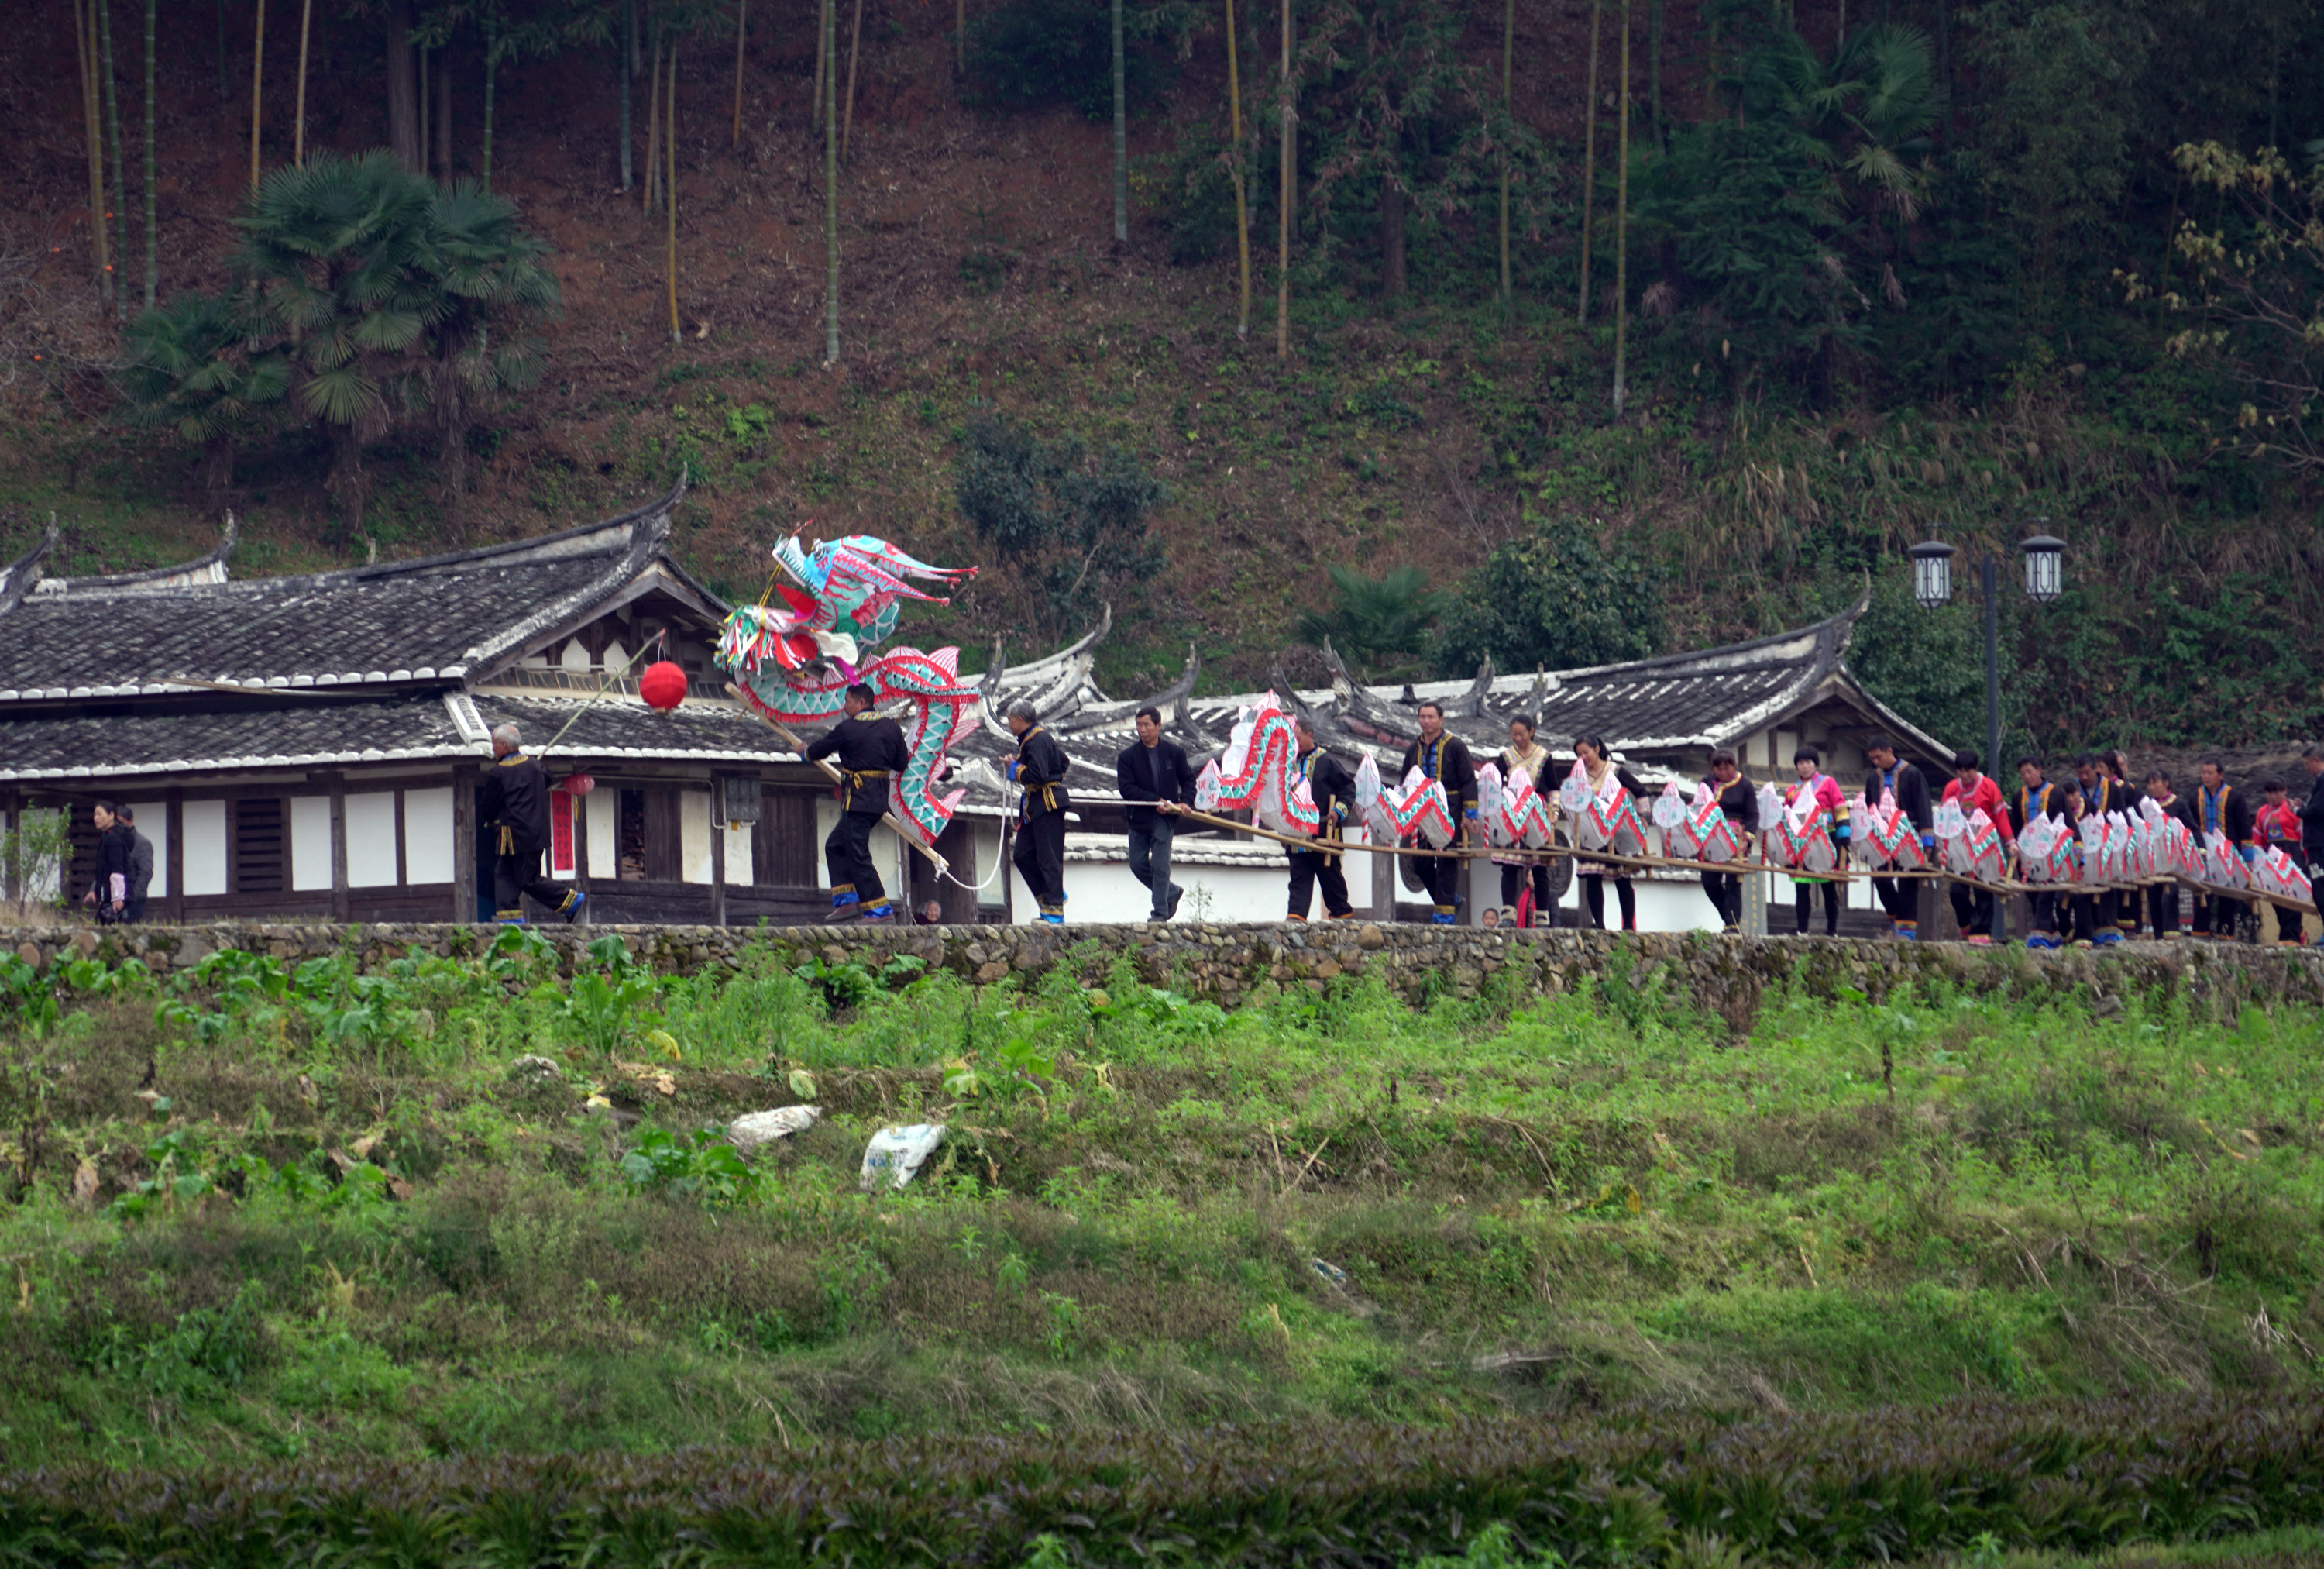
x: 1933, y: 572
x: 2045, y: 570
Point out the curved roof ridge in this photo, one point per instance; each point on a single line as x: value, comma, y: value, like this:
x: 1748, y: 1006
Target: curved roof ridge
x: 19, y: 576
x: 181, y: 574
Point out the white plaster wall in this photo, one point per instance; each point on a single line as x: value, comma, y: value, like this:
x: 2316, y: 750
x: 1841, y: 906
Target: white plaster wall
x: 604, y: 806
x: 311, y: 842
x: 739, y: 865
x: 694, y: 835
x: 428, y: 835
x: 827, y: 818
x: 371, y: 839
x: 204, y: 856
x: 153, y: 822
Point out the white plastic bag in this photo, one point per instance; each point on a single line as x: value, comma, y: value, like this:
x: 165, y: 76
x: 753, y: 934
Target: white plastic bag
x: 894, y: 1154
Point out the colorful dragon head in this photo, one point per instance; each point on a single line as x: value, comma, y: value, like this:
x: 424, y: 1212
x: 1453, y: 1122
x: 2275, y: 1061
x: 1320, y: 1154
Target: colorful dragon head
x: 794, y: 656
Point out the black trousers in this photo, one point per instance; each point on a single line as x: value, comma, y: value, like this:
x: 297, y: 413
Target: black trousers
x: 1725, y: 891
x: 2044, y: 911
x: 515, y: 876
x: 1513, y: 881
x: 847, y: 851
x: 1899, y: 896
x: 1593, y: 894
x: 1973, y: 909
x: 2082, y: 913
x: 1310, y: 867
x: 1040, y: 857
x: 2217, y: 914
x: 1803, y: 906
x: 1440, y: 875
x: 2162, y: 909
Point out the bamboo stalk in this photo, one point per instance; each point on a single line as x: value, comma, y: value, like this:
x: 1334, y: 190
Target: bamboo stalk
x: 152, y: 216
x: 420, y: 62
x: 670, y: 196
x: 814, y: 119
x: 1622, y: 228
x: 299, y: 130
x: 257, y: 80
x: 84, y: 42
x: 1590, y: 161
x: 854, y: 51
x: 742, y: 37
x: 653, y: 181
x: 1243, y: 208
x: 120, y: 215
x: 831, y: 184
x: 1508, y: 51
x: 1287, y: 186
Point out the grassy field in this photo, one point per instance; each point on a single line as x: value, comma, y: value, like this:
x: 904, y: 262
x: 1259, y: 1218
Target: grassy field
x: 264, y: 1216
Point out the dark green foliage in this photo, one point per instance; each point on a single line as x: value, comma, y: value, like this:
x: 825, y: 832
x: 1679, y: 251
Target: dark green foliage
x: 1880, y: 1487
x: 1070, y: 523
x: 1380, y: 624
x: 1553, y: 600
x: 1029, y: 54
x: 192, y: 370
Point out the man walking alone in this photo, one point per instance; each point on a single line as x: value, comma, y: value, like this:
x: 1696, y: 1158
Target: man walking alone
x: 515, y: 813
x: 1156, y: 784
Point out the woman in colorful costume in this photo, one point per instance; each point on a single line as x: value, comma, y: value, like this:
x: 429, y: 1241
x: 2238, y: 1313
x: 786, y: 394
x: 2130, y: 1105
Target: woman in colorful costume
x: 1521, y: 755
x: 1816, y: 791
x: 1607, y: 780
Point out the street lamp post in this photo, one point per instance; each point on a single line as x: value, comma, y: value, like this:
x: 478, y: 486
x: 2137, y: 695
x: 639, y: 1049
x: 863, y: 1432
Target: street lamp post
x: 1933, y: 586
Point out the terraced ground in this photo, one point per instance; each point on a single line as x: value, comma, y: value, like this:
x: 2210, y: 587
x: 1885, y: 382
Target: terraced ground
x: 274, y: 1223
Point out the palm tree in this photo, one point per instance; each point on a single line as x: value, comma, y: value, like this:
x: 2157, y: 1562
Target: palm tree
x: 1381, y: 623
x: 192, y: 371
x: 491, y: 281
x: 338, y: 254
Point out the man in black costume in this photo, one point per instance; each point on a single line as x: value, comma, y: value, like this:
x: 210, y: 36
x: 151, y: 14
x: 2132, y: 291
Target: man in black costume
x: 1900, y: 897
x: 1444, y: 757
x: 872, y: 756
x: 1334, y: 793
x: 1039, y: 769
x: 1157, y: 783
x: 515, y: 813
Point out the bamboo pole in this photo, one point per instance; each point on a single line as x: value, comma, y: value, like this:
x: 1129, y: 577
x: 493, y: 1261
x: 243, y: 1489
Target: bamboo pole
x: 670, y: 196
x: 1622, y: 228
x: 1590, y: 161
x: 1508, y: 51
x: 152, y: 216
x: 299, y: 130
x: 854, y: 51
x: 742, y: 36
x: 1242, y: 206
x: 257, y: 80
x: 831, y: 184
x: 120, y: 215
x: 1288, y: 183
x: 85, y: 44
x: 653, y: 181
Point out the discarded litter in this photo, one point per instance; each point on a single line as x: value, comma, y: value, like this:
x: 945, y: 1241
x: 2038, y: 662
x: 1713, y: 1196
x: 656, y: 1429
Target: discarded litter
x: 896, y: 1153
x: 748, y: 1132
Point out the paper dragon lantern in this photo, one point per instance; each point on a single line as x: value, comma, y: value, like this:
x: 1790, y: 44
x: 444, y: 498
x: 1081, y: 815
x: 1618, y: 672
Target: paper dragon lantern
x: 2277, y: 873
x: 1514, y: 814
x: 2223, y: 864
x: 1415, y: 809
x: 1608, y: 821
x: 1255, y: 773
x: 1697, y: 828
x: 793, y: 656
x: 1885, y: 839
x: 2049, y: 852
x: 1971, y: 842
x: 1798, y: 835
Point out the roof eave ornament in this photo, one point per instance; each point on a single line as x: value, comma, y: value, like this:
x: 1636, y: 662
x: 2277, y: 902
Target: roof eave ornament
x: 17, y: 578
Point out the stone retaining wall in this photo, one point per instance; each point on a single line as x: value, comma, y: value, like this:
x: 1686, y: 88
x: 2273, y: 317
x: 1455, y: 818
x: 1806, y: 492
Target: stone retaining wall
x: 1229, y: 963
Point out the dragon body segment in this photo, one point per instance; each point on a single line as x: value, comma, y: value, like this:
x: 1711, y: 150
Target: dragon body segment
x: 793, y: 657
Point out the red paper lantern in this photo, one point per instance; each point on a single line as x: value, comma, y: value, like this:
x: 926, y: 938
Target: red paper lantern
x: 578, y: 784
x: 663, y: 685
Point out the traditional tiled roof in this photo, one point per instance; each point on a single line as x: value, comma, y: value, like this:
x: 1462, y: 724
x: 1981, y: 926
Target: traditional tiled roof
x: 314, y: 733
x: 1668, y: 709
x: 434, y: 619
x: 619, y: 727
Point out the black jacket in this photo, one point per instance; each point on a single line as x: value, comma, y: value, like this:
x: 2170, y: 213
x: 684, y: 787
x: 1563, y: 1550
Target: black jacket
x: 1332, y: 788
x: 2311, y: 821
x: 2233, y: 812
x: 115, y: 848
x: 1911, y: 787
x: 515, y: 812
x: 1134, y: 774
x: 1739, y: 801
x: 2024, y: 805
x: 141, y: 865
x: 1041, y: 765
x: 1447, y: 763
x: 868, y: 746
